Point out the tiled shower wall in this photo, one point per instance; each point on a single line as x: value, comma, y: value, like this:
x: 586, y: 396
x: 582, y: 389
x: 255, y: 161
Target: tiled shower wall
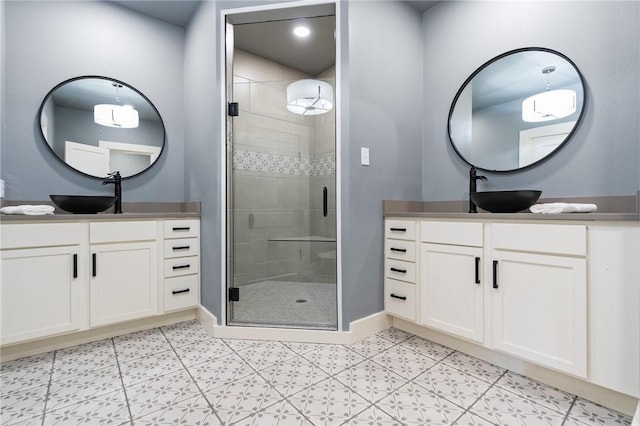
x: 281, y: 162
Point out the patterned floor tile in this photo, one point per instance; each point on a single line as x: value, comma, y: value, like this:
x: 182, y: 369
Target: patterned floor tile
x: 303, y: 347
x: 219, y: 371
x: 373, y: 416
x: 537, y: 392
x: 265, y: 354
x: 104, y: 345
x: 140, y: 344
x: 75, y: 363
x: 28, y: 361
x: 242, y: 398
x: 23, y: 376
x: 142, y: 369
x: 22, y: 405
x: 33, y: 421
x: 590, y: 413
x: 404, y: 361
x: 469, y: 419
x: 328, y: 403
x: 394, y: 335
x: 160, y: 392
x: 292, y: 375
x: 193, y: 411
x: 371, y: 346
x: 110, y: 408
x: 474, y: 366
x: 85, y: 385
x: 334, y: 358
x: 280, y: 414
x: 204, y: 350
x: 412, y: 405
x: 372, y: 381
x: 456, y: 386
x: 427, y: 347
x: 185, y: 332
x: 506, y: 408
x: 240, y: 344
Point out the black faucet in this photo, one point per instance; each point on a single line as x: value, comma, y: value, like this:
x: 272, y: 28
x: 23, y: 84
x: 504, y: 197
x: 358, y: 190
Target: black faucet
x: 473, y: 177
x: 116, y: 179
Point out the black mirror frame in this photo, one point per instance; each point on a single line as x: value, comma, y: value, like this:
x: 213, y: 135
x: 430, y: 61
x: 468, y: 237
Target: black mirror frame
x: 44, y: 139
x: 489, y: 62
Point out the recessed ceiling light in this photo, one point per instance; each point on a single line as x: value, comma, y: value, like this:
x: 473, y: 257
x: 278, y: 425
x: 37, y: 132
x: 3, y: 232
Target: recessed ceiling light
x: 301, y: 31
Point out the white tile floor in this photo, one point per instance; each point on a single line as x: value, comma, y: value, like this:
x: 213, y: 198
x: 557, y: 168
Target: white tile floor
x: 179, y: 375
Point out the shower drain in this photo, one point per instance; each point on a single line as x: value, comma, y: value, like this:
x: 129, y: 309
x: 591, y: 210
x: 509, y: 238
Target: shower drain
x: 301, y: 301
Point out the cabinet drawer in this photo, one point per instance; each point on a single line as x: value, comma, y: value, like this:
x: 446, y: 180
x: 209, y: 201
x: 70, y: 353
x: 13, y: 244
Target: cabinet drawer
x: 454, y: 233
x: 112, y: 232
x: 400, y: 229
x: 400, y: 249
x: 40, y: 235
x: 181, y: 247
x: 181, y: 266
x: 401, y: 270
x: 181, y: 228
x: 558, y: 239
x: 400, y: 299
x: 181, y: 292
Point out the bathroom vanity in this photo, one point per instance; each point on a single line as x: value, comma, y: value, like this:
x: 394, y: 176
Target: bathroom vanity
x: 65, y: 274
x: 556, y: 291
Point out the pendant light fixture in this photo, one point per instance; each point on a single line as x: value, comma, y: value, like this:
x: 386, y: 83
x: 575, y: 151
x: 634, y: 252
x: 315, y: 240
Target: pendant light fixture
x: 550, y: 104
x: 115, y: 115
x: 309, y: 97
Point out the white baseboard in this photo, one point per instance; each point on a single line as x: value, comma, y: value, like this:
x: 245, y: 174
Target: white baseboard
x: 368, y: 326
x: 607, y: 397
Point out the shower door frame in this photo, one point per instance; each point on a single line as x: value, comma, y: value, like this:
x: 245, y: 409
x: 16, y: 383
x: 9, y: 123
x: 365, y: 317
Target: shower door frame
x: 226, y: 134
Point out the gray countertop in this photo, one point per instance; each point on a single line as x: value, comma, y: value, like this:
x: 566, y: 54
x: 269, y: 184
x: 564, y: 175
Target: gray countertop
x: 519, y: 216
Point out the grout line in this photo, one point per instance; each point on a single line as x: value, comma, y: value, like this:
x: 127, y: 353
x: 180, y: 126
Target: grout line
x: 124, y: 388
x: 46, y: 398
x: 566, y: 416
x: 480, y: 397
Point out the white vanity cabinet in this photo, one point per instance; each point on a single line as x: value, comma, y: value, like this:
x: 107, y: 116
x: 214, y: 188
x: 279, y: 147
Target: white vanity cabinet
x: 400, y: 294
x: 181, y: 267
x: 124, y: 271
x: 43, y: 284
x: 539, y: 294
x: 451, y: 292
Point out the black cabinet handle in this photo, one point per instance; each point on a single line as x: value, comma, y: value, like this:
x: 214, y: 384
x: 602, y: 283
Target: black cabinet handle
x: 181, y: 228
x: 398, y: 229
x: 186, y: 290
x: 181, y: 267
x: 93, y: 265
x: 395, y: 296
x: 182, y: 248
x: 495, y: 274
x: 399, y: 250
x: 402, y: 271
x: 75, y: 266
x: 325, y: 199
x: 477, y: 270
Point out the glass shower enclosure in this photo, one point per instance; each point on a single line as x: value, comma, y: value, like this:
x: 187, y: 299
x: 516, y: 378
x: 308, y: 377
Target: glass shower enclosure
x: 281, y: 180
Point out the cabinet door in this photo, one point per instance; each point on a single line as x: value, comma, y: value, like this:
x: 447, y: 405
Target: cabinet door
x: 40, y: 291
x: 451, y: 291
x: 124, y: 282
x: 539, y: 309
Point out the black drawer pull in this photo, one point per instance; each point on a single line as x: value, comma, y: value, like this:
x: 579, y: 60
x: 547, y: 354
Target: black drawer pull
x: 399, y: 229
x: 395, y: 296
x: 477, y: 270
x: 75, y: 266
x: 181, y: 267
x: 181, y: 228
x: 186, y: 290
x: 182, y: 248
x: 495, y: 274
x: 93, y: 265
x: 398, y: 250
x: 402, y: 271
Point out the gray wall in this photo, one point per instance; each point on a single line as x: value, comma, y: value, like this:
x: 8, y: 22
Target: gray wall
x: 601, y: 37
x: 49, y: 42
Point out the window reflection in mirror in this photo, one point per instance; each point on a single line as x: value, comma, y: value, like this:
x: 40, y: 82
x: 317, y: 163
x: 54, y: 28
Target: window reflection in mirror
x: 97, y: 125
x: 486, y: 124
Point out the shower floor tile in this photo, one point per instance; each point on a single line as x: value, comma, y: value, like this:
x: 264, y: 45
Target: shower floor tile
x: 179, y: 374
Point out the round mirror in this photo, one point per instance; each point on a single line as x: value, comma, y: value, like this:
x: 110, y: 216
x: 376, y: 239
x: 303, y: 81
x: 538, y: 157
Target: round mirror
x: 98, y: 125
x: 516, y: 109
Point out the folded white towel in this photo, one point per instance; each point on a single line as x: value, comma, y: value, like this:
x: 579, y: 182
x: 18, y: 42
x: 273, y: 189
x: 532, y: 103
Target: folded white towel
x: 28, y: 209
x: 555, y: 208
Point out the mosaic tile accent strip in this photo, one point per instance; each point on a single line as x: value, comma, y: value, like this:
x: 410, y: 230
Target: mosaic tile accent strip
x: 266, y: 162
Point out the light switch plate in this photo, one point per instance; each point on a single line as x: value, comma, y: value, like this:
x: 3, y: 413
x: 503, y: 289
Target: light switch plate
x: 364, y: 156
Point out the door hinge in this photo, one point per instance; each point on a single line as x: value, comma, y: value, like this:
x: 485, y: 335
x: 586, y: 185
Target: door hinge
x: 234, y: 294
x: 234, y: 109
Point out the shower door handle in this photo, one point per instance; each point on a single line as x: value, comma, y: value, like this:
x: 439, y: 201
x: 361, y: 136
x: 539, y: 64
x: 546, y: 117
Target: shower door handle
x: 324, y: 201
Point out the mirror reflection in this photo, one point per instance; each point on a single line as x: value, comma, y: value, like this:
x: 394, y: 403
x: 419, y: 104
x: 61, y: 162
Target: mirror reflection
x: 516, y: 109
x: 97, y: 125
